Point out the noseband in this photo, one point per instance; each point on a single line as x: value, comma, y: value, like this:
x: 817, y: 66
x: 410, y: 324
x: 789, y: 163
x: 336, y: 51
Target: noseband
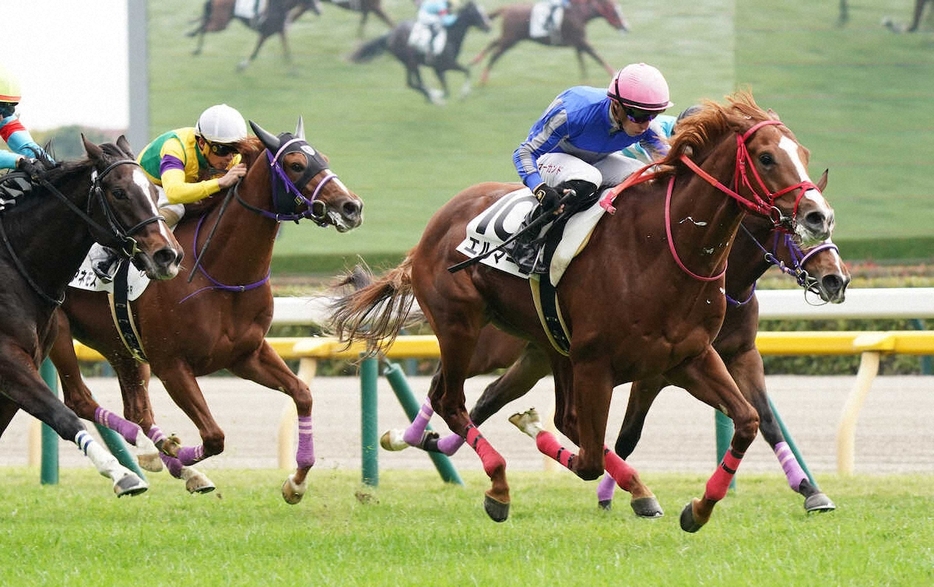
x: 762, y: 203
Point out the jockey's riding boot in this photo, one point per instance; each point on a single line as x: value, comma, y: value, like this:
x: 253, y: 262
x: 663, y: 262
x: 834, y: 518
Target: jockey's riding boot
x: 104, y: 262
x: 524, y: 249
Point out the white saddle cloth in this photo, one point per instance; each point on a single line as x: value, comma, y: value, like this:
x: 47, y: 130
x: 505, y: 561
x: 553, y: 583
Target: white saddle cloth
x: 87, y: 280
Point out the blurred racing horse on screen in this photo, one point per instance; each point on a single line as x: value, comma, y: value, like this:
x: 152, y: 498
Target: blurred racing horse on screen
x: 218, y: 315
x: 643, y: 298
x: 46, y: 232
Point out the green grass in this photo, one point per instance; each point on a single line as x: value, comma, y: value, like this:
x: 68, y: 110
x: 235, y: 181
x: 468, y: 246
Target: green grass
x: 414, y: 530
x: 858, y: 96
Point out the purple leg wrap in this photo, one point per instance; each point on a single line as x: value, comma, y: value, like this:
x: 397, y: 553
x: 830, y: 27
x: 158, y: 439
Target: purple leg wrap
x: 413, y: 434
x: 305, y: 457
x: 189, y: 455
x: 450, y: 443
x: 606, y: 488
x: 793, y: 471
x: 156, y: 435
x: 172, y: 464
x: 128, y: 430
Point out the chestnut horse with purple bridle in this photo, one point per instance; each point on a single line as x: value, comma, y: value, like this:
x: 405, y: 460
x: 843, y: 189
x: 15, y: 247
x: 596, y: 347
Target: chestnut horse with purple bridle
x: 217, y: 314
x: 663, y: 293
x: 820, y: 271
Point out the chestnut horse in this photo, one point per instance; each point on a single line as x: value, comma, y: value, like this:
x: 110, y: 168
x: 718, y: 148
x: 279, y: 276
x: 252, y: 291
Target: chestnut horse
x: 217, y: 14
x: 654, y: 310
x: 396, y: 42
x: 819, y: 270
x: 217, y: 317
x: 515, y: 28
x: 46, y: 233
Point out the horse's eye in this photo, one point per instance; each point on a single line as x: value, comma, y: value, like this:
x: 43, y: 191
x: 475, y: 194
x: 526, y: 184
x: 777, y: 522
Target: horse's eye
x: 119, y: 193
x: 296, y: 167
x: 766, y: 159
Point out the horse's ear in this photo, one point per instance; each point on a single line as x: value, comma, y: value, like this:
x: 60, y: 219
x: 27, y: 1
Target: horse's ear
x: 773, y: 115
x: 125, y: 146
x: 93, y: 151
x: 822, y: 182
x: 271, y: 142
x: 300, y: 129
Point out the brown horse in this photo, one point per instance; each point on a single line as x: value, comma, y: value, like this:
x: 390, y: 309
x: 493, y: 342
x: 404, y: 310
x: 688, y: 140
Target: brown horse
x: 819, y: 270
x: 47, y: 232
x: 217, y: 317
x: 573, y: 33
x: 217, y: 14
x: 654, y: 310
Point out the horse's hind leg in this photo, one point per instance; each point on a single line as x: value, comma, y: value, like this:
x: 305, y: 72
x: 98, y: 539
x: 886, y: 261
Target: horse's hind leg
x: 8, y: 409
x: 268, y: 369
x: 748, y: 372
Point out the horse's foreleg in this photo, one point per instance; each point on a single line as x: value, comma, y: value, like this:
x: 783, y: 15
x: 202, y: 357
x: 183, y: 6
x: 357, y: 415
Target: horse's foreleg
x: 707, y: 379
x: 182, y: 387
x: 589, y: 50
x: 268, y: 369
x: 259, y: 43
x: 748, y: 372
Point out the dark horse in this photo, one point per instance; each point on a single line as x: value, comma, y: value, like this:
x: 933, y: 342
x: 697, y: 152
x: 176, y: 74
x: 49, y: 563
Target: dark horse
x: 819, y: 270
x: 217, y: 15
x: 218, y: 315
x: 515, y: 28
x: 655, y: 310
x: 397, y: 42
x: 46, y: 234
x: 364, y: 7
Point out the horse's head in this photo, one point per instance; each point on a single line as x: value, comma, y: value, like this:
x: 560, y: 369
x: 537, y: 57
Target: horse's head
x: 611, y: 11
x: 122, y: 204
x: 304, y: 185
x: 769, y: 165
x: 473, y: 14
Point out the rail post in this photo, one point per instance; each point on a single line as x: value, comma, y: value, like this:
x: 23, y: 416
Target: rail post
x: 48, y: 474
x: 369, y: 435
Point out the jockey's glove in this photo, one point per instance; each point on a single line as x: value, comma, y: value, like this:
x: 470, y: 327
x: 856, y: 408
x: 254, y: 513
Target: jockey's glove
x: 31, y: 167
x: 547, y: 196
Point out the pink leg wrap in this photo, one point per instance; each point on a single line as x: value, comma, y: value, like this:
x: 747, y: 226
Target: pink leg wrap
x: 413, y: 434
x: 173, y: 465
x: 618, y: 469
x: 128, y: 430
x: 490, y: 459
x: 305, y: 456
x: 450, y: 443
x: 189, y: 455
x: 719, y: 482
x: 549, y: 446
x: 793, y: 471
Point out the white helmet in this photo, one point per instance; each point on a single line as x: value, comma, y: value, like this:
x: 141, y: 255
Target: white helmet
x: 221, y: 124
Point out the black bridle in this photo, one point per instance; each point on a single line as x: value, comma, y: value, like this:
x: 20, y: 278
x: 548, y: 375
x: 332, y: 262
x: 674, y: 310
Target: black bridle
x: 114, y: 235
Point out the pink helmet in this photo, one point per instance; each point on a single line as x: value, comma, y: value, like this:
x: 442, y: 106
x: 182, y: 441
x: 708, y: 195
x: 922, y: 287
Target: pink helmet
x: 640, y: 86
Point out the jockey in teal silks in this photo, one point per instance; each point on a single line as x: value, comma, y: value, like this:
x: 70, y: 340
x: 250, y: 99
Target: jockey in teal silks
x: 24, y: 154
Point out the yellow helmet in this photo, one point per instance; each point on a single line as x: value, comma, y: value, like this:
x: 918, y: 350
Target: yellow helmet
x: 9, y: 86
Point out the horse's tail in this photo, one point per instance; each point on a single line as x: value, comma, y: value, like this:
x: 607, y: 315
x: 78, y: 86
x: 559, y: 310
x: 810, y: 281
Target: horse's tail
x: 377, y: 310
x: 370, y: 50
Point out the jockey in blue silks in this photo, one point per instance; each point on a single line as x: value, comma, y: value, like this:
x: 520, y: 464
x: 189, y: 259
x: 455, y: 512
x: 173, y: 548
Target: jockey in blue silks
x: 576, y: 144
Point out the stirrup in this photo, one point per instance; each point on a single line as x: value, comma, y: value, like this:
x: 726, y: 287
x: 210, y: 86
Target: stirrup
x: 106, y: 269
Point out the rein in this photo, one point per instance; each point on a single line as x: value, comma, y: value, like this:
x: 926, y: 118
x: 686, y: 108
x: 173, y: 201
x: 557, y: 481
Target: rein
x: 122, y: 239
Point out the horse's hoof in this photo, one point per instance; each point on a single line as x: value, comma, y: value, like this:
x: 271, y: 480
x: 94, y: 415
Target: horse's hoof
x: 688, y: 522
x: 497, y: 510
x: 392, y: 440
x: 605, y: 504
x: 293, y: 492
x: 818, y: 502
x: 150, y: 462
x: 196, y: 481
x: 647, y: 507
x: 130, y: 484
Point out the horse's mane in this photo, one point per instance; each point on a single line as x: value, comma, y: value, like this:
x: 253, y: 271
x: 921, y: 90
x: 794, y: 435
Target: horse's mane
x: 250, y: 148
x: 700, y: 131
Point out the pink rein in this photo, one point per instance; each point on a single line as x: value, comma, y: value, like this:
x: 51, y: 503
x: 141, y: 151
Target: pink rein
x: 763, y: 205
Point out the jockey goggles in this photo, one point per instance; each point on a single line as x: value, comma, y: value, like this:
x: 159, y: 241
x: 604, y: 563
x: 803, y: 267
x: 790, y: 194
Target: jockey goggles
x: 639, y: 116
x: 222, y: 150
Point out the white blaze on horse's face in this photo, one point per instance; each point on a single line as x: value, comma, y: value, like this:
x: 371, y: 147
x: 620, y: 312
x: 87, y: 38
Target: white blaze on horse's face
x: 812, y: 195
x: 140, y: 179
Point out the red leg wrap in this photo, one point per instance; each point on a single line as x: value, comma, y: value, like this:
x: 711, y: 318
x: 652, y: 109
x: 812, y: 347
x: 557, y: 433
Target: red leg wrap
x: 618, y: 469
x: 549, y: 446
x: 491, y: 460
x: 719, y: 482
